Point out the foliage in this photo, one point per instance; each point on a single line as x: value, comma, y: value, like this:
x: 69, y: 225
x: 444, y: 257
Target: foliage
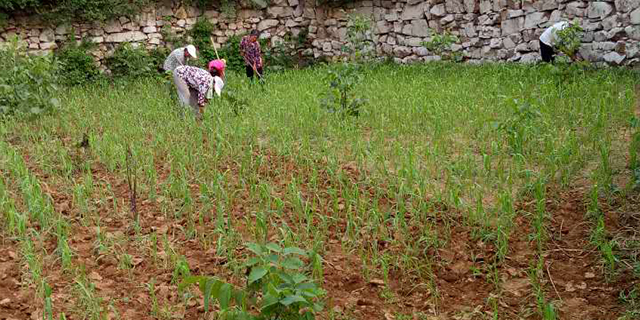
x: 27, y: 82
x: 518, y: 127
x: 441, y: 45
x: 343, y: 77
x: 360, y: 46
x: 276, y: 284
x: 77, y: 64
x: 129, y: 61
x: 231, y: 53
x: 75, y: 10
x: 200, y: 33
x: 341, y: 98
x: 570, y: 39
x: 173, y: 40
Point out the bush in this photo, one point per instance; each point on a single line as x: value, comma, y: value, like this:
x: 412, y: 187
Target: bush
x: 75, y: 10
x: 27, y: 82
x: 129, y: 61
x: 77, y: 64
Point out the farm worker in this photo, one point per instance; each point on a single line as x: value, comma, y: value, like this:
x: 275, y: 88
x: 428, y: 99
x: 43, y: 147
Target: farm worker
x: 548, y: 41
x: 250, y: 51
x: 196, y: 86
x: 216, y: 67
x: 178, y: 57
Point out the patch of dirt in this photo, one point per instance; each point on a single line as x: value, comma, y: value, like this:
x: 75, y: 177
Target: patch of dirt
x: 15, y: 298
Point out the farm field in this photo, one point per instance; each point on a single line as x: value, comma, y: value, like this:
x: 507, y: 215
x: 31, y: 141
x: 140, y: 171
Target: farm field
x: 459, y: 192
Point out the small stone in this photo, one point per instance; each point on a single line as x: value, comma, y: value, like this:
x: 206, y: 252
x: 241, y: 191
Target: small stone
x: 589, y: 275
x: 599, y: 10
x: 614, y: 57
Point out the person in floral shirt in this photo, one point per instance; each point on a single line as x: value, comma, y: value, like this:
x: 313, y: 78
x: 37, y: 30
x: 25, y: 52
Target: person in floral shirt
x: 196, y: 86
x: 250, y: 51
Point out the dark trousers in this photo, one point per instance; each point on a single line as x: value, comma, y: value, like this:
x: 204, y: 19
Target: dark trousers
x: 250, y: 72
x: 547, y: 52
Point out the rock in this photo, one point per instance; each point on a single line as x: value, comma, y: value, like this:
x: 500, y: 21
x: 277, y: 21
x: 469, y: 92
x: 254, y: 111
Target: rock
x: 514, y: 14
x: 293, y: 3
x: 149, y: 29
x: 419, y: 28
x: 512, y: 26
x: 626, y: 5
x: 113, y: 27
x: 438, y: 10
x: 382, y: 27
x: 471, y: 6
x: 402, y: 51
x: 633, y: 32
x: 411, y: 12
x: 610, y: 22
x: 62, y: 29
x: 599, y: 10
x: 495, y: 43
x: 508, y: 43
x: 421, y: 51
x: 529, y: 58
x: 485, y: 6
x: 267, y: 24
x: 48, y: 45
x: 549, y: 5
x: 326, y: 47
x: 47, y: 35
x: 614, y: 57
x: 391, y: 17
x: 181, y: 23
x: 600, y: 36
x: 575, y: 9
x: 181, y: 13
x: 469, y: 30
x: 533, y: 20
x: 454, y: 6
x: 635, y: 16
x: 278, y: 12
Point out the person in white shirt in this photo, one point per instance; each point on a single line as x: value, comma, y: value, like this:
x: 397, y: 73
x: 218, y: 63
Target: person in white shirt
x: 178, y: 57
x: 548, y: 41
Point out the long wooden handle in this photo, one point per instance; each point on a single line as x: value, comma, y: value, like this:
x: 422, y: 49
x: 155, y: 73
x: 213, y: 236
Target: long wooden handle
x: 214, y: 47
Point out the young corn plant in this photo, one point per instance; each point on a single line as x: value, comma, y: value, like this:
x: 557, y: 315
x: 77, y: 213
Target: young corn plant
x: 276, y: 285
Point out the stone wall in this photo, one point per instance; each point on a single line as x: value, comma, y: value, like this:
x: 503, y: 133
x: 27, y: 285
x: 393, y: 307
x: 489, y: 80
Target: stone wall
x: 505, y: 30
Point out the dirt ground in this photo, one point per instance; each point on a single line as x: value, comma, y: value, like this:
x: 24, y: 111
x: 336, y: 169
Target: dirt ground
x: 573, y: 278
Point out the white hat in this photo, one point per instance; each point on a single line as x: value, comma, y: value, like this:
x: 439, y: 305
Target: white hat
x: 192, y: 51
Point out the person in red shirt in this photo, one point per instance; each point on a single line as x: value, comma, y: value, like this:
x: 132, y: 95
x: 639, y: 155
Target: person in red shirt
x: 252, y: 54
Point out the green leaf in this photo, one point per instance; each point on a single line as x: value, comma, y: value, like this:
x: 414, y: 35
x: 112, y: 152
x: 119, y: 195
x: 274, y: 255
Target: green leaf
x: 274, y: 247
x: 208, y: 288
x: 307, y: 286
x: 251, y: 262
x: 287, y: 301
x: 255, y: 248
x: 290, y: 250
x: 293, y: 263
x: 225, y: 296
x: 189, y: 281
x: 257, y: 274
x: 269, y: 300
x: 299, y: 277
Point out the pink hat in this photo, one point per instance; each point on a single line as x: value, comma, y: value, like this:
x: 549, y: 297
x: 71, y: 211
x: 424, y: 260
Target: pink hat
x: 217, y: 64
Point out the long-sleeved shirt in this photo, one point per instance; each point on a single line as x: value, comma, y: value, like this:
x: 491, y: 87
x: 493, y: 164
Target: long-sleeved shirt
x: 175, y: 59
x: 251, y: 52
x: 549, y: 36
x: 197, y: 79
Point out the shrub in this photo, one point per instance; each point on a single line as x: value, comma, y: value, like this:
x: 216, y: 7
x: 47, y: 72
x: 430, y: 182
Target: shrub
x: 441, y: 45
x: 77, y: 64
x: 75, y: 10
x: 27, y: 82
x: 570, y: 39
x: 129, y: 61
x: 276, y: 285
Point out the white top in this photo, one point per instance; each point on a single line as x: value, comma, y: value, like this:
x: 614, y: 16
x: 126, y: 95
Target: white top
x: 175, y: 59
x: 549, y: 36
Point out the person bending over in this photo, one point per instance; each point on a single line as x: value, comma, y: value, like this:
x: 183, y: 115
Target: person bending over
x: 196, y: 86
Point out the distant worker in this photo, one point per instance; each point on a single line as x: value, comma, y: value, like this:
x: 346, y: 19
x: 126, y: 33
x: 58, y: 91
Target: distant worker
x: 251, y: 52
x: 548, y: 41
x: 179, y: 57
x: 196, y: 86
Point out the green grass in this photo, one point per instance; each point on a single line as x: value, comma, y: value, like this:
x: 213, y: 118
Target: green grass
x: 436, y: 147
